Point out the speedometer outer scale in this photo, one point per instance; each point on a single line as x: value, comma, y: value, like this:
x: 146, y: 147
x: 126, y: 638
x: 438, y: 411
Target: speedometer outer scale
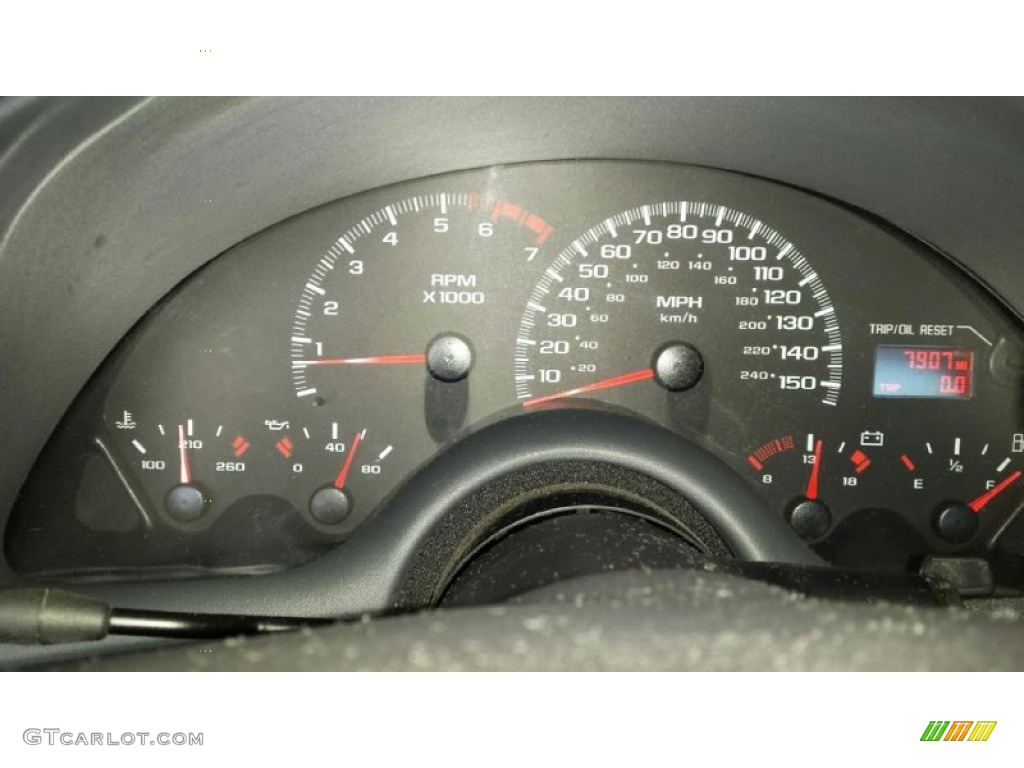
x: 657, y: 303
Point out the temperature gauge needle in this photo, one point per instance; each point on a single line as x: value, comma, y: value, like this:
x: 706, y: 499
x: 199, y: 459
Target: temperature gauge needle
x: 617, y: 381
x: 979, y: 503
x: 339, y: 481
x: 377, y: 360
x: 812, y: 482
x: 186, y: 472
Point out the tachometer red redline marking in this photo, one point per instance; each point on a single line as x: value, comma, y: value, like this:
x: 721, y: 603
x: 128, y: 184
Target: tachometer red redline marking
x: 812, y: 481
x: 186, y: 472
x: 617, y: 381
x: 376, y: 360
x: 339, y: 481
x: 755, y: 463
x: 539, y: 226
x: 979, y: 503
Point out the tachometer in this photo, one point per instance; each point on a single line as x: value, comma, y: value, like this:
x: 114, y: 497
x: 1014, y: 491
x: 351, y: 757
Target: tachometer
x: 661, y: 301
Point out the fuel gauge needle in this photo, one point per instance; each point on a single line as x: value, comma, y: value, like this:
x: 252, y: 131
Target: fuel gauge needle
x: 186, y: 472
x: 812, y: 482
x: 979, y: 503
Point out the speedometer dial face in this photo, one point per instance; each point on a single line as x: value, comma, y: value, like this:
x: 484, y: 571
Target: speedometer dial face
x: 657, y: 305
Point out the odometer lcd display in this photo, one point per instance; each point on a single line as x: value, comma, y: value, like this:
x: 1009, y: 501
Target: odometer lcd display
x: 938, y: 372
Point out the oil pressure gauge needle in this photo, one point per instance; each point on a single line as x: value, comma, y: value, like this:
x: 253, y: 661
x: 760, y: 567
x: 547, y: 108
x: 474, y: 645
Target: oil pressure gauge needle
x: 979, y: 503
x: 186, y: 472
x: 339, y: 481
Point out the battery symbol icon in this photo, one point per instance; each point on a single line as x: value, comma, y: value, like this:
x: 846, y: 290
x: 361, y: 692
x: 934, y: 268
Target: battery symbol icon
x: 869, y: 438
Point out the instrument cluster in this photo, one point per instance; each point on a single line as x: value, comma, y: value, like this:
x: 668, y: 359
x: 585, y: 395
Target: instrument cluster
x: 867, y: 387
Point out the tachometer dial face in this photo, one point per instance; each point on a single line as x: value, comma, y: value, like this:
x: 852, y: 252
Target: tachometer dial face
x: 673, y: 307
x: 425, y: 311
x: 398, y: 312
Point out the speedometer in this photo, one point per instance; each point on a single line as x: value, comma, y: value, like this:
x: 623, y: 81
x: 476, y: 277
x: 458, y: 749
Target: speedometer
x: 659, y: 305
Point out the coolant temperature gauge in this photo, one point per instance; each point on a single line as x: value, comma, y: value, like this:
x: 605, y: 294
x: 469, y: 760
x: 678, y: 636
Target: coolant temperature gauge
x: 171, y: 468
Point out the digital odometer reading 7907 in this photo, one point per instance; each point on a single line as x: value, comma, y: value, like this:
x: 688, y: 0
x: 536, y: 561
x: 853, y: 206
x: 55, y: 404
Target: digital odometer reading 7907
x: 939, y: 372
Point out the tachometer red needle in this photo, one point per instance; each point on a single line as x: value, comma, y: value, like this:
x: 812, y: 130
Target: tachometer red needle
x: 378, y: 360
x: 812, y: 482
x: 979, y: 503
x: 617, y: 381
x: 186, y: 472
x: 339, y: 481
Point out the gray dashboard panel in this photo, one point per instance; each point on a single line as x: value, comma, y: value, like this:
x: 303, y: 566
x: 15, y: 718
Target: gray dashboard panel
x: 102, y: 210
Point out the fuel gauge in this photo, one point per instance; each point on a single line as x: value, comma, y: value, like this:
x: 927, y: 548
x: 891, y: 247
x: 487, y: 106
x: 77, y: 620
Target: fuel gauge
x: 964, y: 483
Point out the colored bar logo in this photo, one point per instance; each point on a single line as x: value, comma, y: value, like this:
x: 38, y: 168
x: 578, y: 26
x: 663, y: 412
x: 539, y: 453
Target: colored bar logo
x: 958, y: 730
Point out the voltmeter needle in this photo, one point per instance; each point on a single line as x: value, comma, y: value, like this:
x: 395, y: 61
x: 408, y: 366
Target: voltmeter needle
x: 812, y: 482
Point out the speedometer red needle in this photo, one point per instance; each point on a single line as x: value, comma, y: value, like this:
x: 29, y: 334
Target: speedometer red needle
x: 377, y: 360
x: 812, y: 482
x: 617, y: 381
x: 186, y: 472
x: 979, y: 503
x: 339, y: 481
